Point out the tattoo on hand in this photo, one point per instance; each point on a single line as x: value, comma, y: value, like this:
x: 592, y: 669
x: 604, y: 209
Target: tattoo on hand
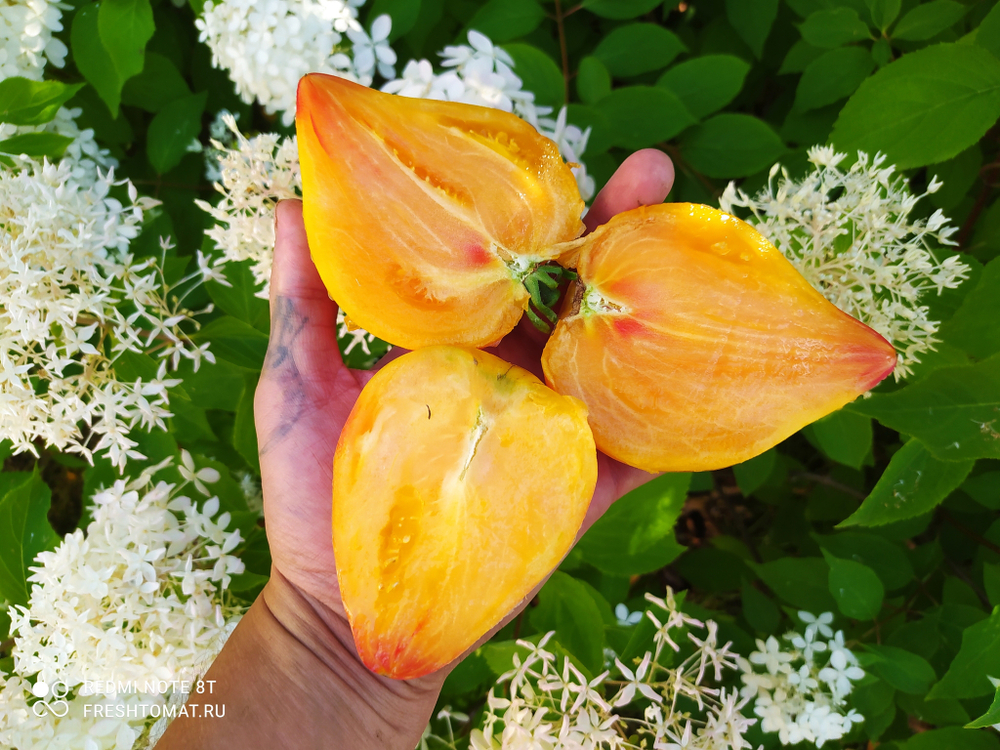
x: 287, y: 324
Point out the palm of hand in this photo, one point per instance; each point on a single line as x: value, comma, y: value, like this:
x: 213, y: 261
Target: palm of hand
x: 306, y: 393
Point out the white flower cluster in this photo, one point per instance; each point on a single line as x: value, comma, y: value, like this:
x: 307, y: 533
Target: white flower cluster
x: 555, y: 707
x: 482, y: 73
x: 849, y: 232
x: 799, y: 693
x: 254, y: 174
x: 266, y: 47
x: 26, y: 40
x: 75, y: 301
x: 138, y: 600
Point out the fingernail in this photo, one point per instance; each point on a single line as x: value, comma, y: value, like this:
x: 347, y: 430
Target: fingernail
x: 274, y: 228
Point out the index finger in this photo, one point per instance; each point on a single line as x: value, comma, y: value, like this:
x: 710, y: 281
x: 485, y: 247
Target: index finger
x: 643, y: 179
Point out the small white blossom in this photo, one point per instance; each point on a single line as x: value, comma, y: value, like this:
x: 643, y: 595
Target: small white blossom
x: 373, y: 52
x: 820, y: 624
x: 634, y: 681
x: 849, y: 233
x: 625, y: 617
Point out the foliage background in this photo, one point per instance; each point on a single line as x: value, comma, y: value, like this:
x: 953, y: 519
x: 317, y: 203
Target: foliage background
x: 727, y: 88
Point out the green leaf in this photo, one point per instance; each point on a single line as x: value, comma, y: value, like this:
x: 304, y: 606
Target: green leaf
x: 638, y: 48
x: 172, y: 131
x: 799, y: 581
x: 902, y: 669
x: 156, y: 86
x: 641, y: 116
x: 883, y: 12
x: 620, y: 9
x: 914, y: 483
x: 958, y: 175
x: 214, y: 386
x: 988, y: 34
x: 928, y: 20
x: 855, y: 587
x: 246, y: 580
x: 585, y: 117
x: 706, y: 84
x: 245, y: 428
x: 190, y: 423
x: 131, y: 366
x: 256, y: 553
x: 92, y: 60
x: 871, y: 697
x: 731, y: 145
x: 24, y: 531
x: 843, y: 436
x: 235, y: 341
x: 991, y: 717
x: 751, y: 474
x: 886, y: 558
x: 504, y: 20
x: 636, y: 535
x: 710, y: 569
x: 954, y: 411
x: 124, y: 27
x: 539, y: 74
x: 642, y: 637
x: 752, y: 20
x: 565, y: 606
x: 939, y: 713
x: 984, y: 489
x: 951, y: 738
x: 965, y: 329
x: 760, y: 612
x: 835, y: 74
x: 925, y: 107
x: 37, y: 145
x: 832, y: 28
x: 593, y: 81
x: 799, y: 56
x: 404, y: 15
x: 239, y: 299
x: 471, y: 674
x: 27, y: 102
x: 95, y: 115
x: 978, y: 658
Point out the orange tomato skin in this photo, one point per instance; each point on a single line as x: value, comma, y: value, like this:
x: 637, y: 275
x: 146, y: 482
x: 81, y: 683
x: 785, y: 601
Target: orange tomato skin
x: 701, y: 346
x: 419, y: 212
x: 459, y: 482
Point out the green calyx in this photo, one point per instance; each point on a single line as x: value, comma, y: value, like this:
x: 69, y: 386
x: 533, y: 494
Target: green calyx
x: 543, y: 284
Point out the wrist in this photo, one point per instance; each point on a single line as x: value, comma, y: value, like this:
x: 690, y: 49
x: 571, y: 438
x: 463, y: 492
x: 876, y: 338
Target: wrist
x: 324, y: 635
x: 289, y: 677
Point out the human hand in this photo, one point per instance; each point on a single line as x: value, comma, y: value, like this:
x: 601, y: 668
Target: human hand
x: 304, y: 398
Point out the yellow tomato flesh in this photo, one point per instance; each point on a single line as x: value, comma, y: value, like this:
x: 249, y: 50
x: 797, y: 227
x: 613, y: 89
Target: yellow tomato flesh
x: 696, y: 345
x: 459, y: 482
